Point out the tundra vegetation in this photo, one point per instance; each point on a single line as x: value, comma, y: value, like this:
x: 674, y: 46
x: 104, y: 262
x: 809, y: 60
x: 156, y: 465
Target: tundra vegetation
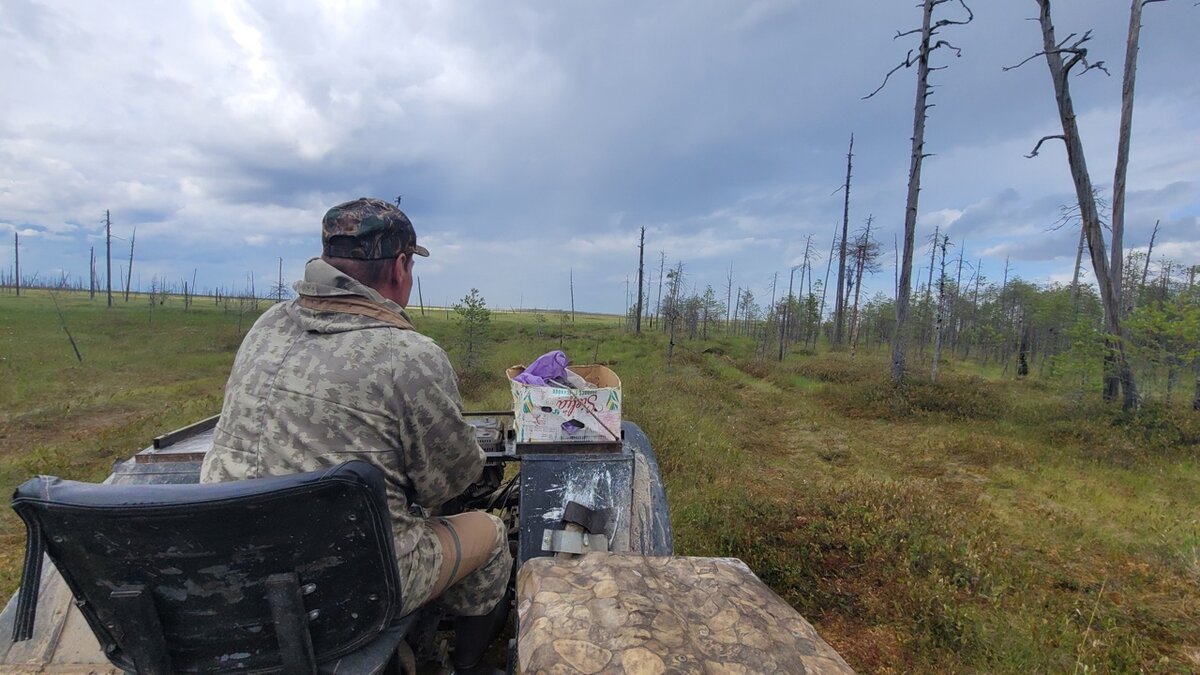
x: 989, y: 521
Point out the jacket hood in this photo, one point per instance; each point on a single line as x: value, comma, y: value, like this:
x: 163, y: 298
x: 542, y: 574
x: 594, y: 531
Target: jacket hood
x: 322, y: 280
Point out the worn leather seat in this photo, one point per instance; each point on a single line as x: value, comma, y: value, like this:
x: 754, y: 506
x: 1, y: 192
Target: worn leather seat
x: 282, y: 574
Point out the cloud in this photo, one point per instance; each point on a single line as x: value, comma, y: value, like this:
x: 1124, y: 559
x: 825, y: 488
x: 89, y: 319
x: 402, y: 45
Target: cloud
x: 530, y: 139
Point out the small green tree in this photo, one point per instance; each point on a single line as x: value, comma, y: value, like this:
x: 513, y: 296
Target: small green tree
x: 474, y: 322
x: 1167, y: 335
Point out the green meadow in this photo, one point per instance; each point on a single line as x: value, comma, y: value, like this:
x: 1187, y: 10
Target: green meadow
x: 981, y: 524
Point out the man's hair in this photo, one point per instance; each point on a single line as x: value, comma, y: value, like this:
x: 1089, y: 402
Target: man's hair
x: 369, y: 272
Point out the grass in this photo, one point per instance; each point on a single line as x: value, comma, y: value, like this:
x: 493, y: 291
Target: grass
x: 977, y: 525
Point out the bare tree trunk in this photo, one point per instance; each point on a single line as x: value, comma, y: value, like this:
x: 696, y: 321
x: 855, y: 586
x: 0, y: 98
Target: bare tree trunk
x: 662, y: 263
x: 1078, y: 265
x: 641, y: 267
x: 825, y: 286
x: 729, y: 298
x: 420, y: 296
x: 736, y: 310
x: 1023, y: 349
x: 939, y: 318
x: 17, y: 262
x: 129, y: 271
x: 572, y: 284
x: 787, y: 310
x: 807, y: 269
x: 1149, y: 252
x: 937, y: 235
x: 63, y: 322
x: 108, y: 252
x: 920, y: 108
x: 1059, y: 72
x: 862, y: 252
x: 839, y: 308
x: 858, y: 275
x: 962, y: 249
x: 1116, y: 254
x: 671, y: 343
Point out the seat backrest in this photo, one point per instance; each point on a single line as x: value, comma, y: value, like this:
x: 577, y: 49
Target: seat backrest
x: 196, y: 559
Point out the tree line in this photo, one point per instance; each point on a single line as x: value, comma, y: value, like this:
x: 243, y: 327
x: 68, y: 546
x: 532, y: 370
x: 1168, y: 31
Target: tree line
x: 1141, y: 328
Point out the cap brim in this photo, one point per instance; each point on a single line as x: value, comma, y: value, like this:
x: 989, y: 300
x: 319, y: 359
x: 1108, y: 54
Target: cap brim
x: 421, y: 251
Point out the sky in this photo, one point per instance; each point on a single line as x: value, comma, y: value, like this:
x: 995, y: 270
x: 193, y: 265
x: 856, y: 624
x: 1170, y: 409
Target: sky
x: 531, y: 140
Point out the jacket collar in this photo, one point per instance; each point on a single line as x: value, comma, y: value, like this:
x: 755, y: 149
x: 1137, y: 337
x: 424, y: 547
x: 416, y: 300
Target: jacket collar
x: 322, y: 280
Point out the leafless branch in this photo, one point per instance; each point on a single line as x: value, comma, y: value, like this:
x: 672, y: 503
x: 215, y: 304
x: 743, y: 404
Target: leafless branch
x: 906, y: 63
x: 943, y: 43
x: 1068, y: 214
x: 1099, y: 65
x: 1038, y: 147
x: 1077, y: 51
x: 970, y: 17
x: 1027, y: 60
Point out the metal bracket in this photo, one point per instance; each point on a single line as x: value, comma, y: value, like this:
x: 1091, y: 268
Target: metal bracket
x: 564, y: 541
x: 594, y: 521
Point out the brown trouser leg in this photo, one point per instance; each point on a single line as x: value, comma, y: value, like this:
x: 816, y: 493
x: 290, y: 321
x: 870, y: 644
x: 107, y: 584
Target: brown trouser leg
x: 475, y: 562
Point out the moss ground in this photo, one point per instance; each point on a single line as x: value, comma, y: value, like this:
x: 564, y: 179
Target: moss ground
x: 976, y: 525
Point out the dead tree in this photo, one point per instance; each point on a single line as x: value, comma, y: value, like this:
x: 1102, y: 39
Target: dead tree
x: 17, y: 262
x: 641, y: 268
x: 572, y: 283
x: 865, y: 256
x: 806, y: 269
x: 1149, y: 251
x: 108, y: 252
x: 839, y: 307
x: 939, y: 316
x: 63, y: 322
x: 929, y: 30
x: 1061, y: 57
x: 933, y: 247
x: 129, y: 271
x: 729, y: 297
x: 1123, y: 134
x: 662, y: 264
x: 1078, y: 266
x: 92, y: 273
x: 825, y: 285
x: 787, y: 310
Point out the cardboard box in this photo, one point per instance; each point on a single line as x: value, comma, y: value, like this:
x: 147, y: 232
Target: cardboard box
x: 555, y: 414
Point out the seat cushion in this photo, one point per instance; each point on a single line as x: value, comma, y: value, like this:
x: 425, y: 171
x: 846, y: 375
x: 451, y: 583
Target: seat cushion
x: 616, y: 613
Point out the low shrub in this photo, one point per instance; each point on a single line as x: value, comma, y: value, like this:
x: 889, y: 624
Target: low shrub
x: 1104, y: 431
x: 953, y: 397
x: 839, y: 368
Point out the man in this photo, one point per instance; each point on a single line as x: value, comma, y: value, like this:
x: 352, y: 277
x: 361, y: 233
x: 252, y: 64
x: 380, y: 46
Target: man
x: 340, y: 373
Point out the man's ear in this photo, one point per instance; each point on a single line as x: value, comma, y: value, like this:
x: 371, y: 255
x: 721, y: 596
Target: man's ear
x: 400, y: 266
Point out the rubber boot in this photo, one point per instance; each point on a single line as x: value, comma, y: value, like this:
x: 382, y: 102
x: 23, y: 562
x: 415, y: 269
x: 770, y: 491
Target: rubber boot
x: 474, y: 634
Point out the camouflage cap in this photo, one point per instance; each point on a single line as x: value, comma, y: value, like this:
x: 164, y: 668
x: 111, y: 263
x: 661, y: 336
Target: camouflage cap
x: 368, y: 229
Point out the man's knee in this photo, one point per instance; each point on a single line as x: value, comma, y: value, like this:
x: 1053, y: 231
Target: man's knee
x: 484, y: 539
x: 481, y: 536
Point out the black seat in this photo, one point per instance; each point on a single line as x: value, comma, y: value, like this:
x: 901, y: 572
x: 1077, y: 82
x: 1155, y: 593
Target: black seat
x: 269, y: 575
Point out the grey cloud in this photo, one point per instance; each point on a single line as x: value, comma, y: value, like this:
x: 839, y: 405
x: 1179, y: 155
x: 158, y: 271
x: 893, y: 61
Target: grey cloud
x: 720, y: 126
